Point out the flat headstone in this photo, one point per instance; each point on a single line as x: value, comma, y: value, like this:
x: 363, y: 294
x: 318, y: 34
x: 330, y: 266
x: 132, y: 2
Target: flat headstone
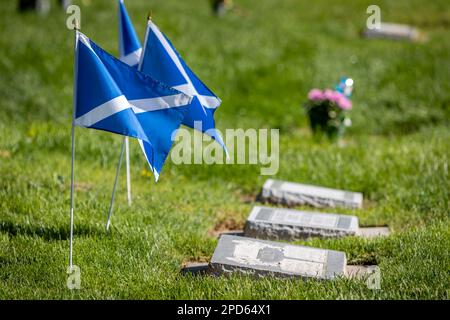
x: 266, y: 258
x: 286, y: 224
x: 394, y: 31
x: 290, y: 194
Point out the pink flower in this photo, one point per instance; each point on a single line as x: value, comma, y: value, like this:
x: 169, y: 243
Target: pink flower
x: 344, y: 103
x: 333, y: 96
x: 329, y: 94
x: 315, y: 94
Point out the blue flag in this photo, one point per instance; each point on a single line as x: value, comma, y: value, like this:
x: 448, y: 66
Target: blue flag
x: 161, y: 61
x: 112, y: 96
x: 129, y: 46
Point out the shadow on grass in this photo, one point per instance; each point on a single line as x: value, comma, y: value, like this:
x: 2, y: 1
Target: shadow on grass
x: 49, y: 232
x: 364, y: 259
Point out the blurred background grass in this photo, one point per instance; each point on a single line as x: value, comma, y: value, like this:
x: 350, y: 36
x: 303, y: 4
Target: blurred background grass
x: 261, y: 60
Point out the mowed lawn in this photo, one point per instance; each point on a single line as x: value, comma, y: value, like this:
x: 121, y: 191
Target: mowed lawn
x: 262, y: 59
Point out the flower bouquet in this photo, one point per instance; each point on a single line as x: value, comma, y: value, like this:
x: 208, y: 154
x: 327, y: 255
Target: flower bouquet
x: 328, y: 109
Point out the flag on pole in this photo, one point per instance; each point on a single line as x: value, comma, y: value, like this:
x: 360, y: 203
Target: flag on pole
x: 112, y: 96
x: 100, y: 103
x: 129, y: 46
x: 129, y: 52
x: 161, y: 61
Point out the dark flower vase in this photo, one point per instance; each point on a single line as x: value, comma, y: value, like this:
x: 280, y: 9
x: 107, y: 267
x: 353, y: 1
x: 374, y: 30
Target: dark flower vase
x: 326, y: 120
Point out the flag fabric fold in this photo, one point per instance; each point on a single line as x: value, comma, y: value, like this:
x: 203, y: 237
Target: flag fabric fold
x: 100, y: 103
x: 161, y: 61
x: 112, y: 96
x: 129, y: 46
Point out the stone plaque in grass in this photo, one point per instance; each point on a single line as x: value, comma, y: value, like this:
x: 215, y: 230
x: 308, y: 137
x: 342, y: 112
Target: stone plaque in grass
x: 395, y: 31
x: 290, y: 194
x: 266, y: 258
x: 287, y: 224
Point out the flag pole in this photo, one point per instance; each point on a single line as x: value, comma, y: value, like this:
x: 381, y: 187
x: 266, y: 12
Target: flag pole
x: 126, y: 140
x: 72, y: 177
x: 111, y: 204
x: 127, y: 159
x: 125, y: 145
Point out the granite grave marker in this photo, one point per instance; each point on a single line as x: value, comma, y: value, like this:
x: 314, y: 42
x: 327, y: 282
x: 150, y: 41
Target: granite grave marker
x: 290, y: 194
x: 286, y: 224
x: 262, y: 258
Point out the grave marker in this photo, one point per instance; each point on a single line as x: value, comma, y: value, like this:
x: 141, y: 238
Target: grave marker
x: 290, y: 193
x: 394, y: 31
x: 262, y: 258
x: 285, y: 224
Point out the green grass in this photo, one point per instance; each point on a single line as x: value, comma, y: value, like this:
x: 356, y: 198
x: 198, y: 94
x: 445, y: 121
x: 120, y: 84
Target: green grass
x: 261, y: 60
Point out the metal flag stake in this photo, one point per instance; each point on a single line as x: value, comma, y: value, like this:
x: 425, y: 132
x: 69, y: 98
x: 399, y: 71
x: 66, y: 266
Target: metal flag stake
x: 111, y: 204
x: 72, y: 176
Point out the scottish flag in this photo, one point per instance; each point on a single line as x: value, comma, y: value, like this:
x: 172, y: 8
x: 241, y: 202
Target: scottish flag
x: 161, y: 61
x: 112, y: 96
x: 129, y: 46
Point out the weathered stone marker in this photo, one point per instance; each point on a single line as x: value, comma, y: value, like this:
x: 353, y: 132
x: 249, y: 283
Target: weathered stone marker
x: 394, y: 31
x: 290, y: 193
x: 286, y: 224
x: 262, y: 258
